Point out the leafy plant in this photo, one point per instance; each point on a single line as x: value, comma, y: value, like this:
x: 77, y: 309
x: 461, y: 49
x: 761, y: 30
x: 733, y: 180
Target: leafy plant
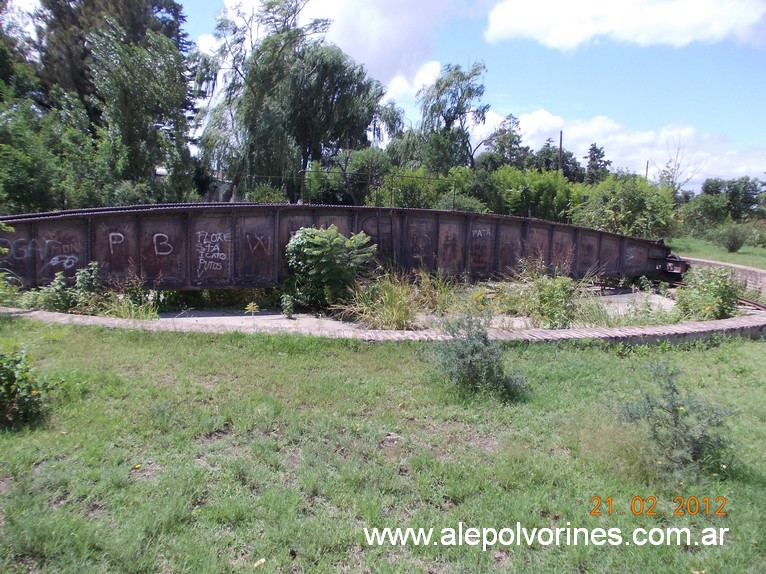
x: 57, y: 296
x: 9, y: 288
x: 683, y: 427
x: 129, y: 299
x: 326, y: 263
x: 471, y: 361
x: 287, y: 303
x: 709, y: 293
x: 732, y: 236
x: 550, y: 301
x: 21, y: 395
x: 86, y: 295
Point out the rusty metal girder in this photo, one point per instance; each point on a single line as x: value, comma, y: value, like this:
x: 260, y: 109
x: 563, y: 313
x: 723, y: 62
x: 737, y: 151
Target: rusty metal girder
x: 202, y: 246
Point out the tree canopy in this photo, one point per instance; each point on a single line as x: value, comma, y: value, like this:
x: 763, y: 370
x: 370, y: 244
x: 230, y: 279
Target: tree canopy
x: 111, y: 104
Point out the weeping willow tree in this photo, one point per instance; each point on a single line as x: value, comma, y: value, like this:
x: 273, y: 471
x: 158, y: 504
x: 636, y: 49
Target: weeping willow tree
x: 287, y: 99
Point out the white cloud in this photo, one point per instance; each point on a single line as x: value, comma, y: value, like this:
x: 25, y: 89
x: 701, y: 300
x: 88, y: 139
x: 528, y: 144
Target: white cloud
x: 565, y: 24
x: 208, y: 44
x: 20, y: 13
x: 390, y: 37
x: 707, y: 155
x: 404, y: 89
x: 401, y: 87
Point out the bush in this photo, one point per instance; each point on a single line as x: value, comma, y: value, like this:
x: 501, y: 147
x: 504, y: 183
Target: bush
x: 264, y: 193
x: 86, y: 295
x: 701, y: 213
x: 709, y: 293
x: 731, y: 236
x: 683, y: 427
x: 550, y: 301
x: 9, y: 289
x: 460, y: 202
x: 627, y: 204
x: 21, y: 396
x: 326, y: 263
x: 57, y: 297
x: 387, y: 302
x: 757, y: 237
x: 287, y: 304
x: 471, y: 361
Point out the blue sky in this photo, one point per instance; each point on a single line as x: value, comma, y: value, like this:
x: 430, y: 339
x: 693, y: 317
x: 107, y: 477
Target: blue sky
x: 644, y: 79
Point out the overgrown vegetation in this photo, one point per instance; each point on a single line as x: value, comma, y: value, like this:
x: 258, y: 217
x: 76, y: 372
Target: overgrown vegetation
x: 88, y: 296
x: 731, y: 236
x: 709, y: 293
x: 393, y: 300
x: 687, y: 432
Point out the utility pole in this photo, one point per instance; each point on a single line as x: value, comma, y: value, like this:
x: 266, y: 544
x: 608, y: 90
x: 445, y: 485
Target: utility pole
x: 561, y: 150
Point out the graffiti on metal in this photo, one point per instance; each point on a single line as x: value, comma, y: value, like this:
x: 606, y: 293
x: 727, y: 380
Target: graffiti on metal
x: 242, y: 245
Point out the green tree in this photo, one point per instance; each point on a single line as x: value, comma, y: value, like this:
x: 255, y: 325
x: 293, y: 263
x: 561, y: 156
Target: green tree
x: 142, y: 92
x: 597, y: 166
x: 330, y: 104
x: 363, y: 172
x: 65, y: 54
x: 504, y: 146
x: 448, y: 107
x: 530, y: 193
x: 406, y: 150
x: 702, y: 213
x: 629, y: 205
x: 547, y: 159
x: 246, y: 133
x: 26, y: 162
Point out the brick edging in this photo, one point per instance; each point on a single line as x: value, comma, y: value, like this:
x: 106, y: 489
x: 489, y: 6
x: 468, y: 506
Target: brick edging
x: 751, y: 325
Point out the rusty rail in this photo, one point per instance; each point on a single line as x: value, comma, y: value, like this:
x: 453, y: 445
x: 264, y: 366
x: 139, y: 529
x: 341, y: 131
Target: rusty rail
x: 195, y: 246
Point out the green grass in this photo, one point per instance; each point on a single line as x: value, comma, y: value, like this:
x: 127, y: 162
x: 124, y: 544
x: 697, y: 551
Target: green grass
x: 691, y: 247
x: 284, y: 448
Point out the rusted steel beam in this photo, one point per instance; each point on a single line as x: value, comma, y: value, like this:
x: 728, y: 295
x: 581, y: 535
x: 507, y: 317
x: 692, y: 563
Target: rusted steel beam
x: 196, y: 246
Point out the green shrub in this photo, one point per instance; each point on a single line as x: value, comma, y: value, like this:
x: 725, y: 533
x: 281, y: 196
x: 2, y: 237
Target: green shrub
x: 683, y: 428
x: 265, y: 193
x: 550, y: 301
x: 86, y: 296
x: 709, y: 293
x: 10, y: 292
x: 287, y: 303
x: 471, y: 361
x: 731, y: 236
x: 460, y: 202
x: 57, y: 296
x: 757, y: 237
x: 387, y: 302
x: 326, y: 263
x: 21, y: 395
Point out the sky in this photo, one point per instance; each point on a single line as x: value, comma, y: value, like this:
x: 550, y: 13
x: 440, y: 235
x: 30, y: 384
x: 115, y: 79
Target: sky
x: 646, y: 80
